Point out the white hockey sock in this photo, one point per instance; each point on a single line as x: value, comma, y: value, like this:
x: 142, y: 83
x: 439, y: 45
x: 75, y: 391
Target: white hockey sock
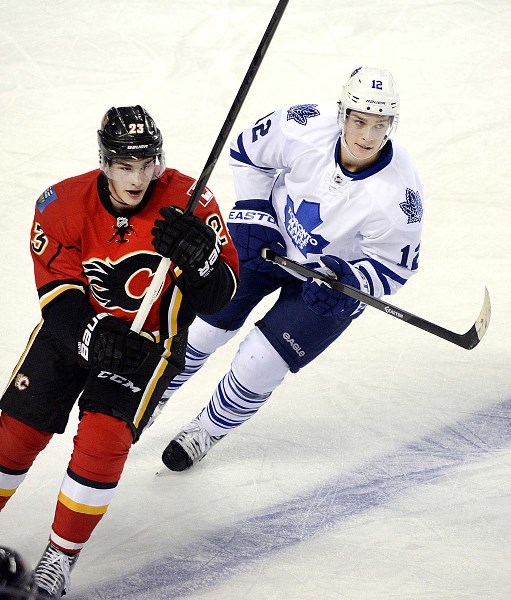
x: 193, y: 362
x: 257, y: 369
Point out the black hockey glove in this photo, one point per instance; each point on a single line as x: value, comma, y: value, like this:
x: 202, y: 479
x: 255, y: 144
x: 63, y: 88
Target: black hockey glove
x: 188, y: 242
x: 107, y: 343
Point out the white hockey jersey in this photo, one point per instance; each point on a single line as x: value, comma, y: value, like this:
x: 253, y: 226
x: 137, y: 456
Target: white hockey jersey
x: 372, y: 218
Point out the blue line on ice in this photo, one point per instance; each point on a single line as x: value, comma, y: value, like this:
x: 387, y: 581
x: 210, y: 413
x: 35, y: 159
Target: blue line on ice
x: 228, y: 551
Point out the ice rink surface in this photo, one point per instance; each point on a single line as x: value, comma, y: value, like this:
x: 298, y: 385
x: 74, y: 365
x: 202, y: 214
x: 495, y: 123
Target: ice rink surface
x: 381, y: 471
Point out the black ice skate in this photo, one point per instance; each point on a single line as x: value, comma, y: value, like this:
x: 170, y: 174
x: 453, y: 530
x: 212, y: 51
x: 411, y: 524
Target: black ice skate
x: 189, y: 446
x: 52, y: 574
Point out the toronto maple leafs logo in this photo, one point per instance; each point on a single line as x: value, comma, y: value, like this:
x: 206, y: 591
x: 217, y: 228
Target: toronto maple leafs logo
x: 300, y: 224
x: 301, y: 112
x: 412, y: 206
x: 121, y: 284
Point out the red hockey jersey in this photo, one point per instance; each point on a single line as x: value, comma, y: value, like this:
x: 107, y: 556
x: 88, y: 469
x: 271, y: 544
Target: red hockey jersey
x: 79, y: 242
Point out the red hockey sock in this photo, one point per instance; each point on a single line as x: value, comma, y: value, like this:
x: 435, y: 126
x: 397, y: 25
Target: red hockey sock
x: 101, y: 447
x: 19, y: 446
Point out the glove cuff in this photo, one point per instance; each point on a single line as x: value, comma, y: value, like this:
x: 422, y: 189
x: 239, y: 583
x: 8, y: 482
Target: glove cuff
x: 247, y: 216
x: 361, y: 278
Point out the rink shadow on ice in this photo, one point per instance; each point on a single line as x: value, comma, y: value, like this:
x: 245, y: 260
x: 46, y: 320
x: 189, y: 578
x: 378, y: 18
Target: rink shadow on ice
x: 227, y: 552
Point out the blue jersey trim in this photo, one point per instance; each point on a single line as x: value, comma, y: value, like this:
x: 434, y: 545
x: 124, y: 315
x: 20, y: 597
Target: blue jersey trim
x: 241, y: 155
x: 387, y: 152
x: 366, y: 274
x: 383, y: 273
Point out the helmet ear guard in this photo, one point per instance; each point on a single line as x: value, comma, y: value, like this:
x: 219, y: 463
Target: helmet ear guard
x: 371, y: 91
x: 129, y: 132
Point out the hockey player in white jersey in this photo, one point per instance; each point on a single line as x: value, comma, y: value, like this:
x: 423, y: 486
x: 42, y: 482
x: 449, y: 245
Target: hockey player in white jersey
x: 325, y: 186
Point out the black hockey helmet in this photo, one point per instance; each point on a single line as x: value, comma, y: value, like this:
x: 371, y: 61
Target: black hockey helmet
x: 15, y: 576
x: 130, y: 132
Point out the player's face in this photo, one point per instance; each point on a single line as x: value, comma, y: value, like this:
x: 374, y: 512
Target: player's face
x: 128, y: 180
x: 365, y: 133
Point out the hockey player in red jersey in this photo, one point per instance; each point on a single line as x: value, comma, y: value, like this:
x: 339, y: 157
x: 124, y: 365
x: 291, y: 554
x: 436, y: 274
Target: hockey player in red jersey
x: 96, y: 242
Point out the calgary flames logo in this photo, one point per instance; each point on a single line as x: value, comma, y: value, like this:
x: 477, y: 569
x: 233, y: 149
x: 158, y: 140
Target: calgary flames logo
x: 21, y: 382
x: 121, y: 284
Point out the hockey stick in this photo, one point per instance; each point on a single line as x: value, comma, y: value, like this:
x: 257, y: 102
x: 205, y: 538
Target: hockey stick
x: 467, y: 340
x: 159, y: 277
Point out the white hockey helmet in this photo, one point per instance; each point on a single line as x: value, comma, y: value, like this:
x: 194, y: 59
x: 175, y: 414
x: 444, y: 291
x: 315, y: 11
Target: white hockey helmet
x: 372, y: 91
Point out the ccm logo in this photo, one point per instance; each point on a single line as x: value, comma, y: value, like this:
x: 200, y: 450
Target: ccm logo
x: 120, y: 380
x: 296, y: 347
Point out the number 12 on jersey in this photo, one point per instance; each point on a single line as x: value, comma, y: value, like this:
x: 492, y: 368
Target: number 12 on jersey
x: 405, y: 257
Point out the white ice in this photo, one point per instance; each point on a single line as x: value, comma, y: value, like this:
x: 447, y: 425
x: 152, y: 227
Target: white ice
x: 381, y: 471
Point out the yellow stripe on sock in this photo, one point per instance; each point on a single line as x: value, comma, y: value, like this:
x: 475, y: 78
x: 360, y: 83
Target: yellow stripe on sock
x: 82, y: 508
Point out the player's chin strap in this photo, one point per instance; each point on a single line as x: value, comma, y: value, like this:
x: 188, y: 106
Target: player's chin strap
x: 467, y: 340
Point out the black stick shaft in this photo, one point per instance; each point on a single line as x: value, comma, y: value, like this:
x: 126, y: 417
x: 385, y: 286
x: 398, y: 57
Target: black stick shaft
x: 467, y: 340
x: 236, y: 106
x: 159, y: 277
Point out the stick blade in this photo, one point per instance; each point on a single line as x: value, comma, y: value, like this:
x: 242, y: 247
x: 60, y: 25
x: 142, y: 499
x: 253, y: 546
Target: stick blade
x: 475, y: 334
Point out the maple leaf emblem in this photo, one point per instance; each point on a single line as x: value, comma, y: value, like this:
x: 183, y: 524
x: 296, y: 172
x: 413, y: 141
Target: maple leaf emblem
x: 300, y: 224
x: 301, y: 112
x: 412, y: 206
